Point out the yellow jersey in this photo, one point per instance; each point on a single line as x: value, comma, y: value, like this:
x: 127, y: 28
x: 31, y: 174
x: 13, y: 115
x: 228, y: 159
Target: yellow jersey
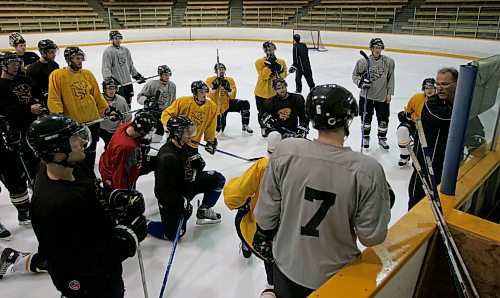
x: 226, y: 96
x: 415, y: 105
x: 264, y: 86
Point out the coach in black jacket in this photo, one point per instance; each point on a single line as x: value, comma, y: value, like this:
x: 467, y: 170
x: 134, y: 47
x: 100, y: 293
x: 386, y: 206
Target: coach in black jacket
x: 301, y: 64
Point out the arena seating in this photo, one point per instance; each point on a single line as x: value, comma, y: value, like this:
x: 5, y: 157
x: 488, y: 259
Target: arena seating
x: 271, y: 13
x: 206, y: 13
x: 141, y: 14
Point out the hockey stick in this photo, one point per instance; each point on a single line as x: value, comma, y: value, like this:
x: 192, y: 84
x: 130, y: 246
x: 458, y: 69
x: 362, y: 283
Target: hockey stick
x: 133, y: 82
x: 171, y: 258
x: 219, y: 117
x: 108, y: 117
x: 229, y: 154
x: 450, y: 245
x: 143, y: 273
x: 30, y: 180
x: 363, y: 124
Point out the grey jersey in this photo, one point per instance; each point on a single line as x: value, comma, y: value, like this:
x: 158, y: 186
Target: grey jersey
x: 121, y: 105
x: 381, y: 76
x: 167, y: 93
x: 321, y: 197
x: 117, y: 63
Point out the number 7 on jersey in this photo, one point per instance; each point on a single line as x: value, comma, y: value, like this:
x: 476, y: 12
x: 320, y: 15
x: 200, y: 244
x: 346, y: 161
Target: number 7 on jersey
x: 310, y: 229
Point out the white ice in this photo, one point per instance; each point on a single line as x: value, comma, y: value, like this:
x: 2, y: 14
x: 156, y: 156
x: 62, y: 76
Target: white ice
x: 207, y: 262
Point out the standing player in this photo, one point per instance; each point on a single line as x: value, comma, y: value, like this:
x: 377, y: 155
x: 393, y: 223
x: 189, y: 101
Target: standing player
x: 178, y: 180
x: 40, y: 71
x: 285, y: 112
x: 268, y: 68
x: 310, y: 240
x: 202, y: 111
x: 436, y: 118
x: 242, y: 193
x: 406, y: 129
x: 224, y: 87
x: 301, y: 64
x: 158, y: 95
x: 74, y: 92
x: 379, y: 89
x: 83, y: 244
x: 126, y: 157
x: 116, y: 102
x: 17, y: 41
x: 117, y: 63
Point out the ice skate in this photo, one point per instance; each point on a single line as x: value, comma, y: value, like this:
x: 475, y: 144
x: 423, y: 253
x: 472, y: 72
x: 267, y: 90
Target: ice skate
x: 246, y: 130
x: 268, y: 293
x: 7, y: 261
x: 4, y: 233
x: 264, y: 132
x: 24, y: 217
x: 206, y: 215
x: 366, y: 142
x: 383, y: 143
x: 403, y: 160
x: 245, y: 250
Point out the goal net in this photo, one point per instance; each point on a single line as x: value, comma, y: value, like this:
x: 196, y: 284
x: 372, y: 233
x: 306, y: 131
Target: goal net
x: 311, y: 37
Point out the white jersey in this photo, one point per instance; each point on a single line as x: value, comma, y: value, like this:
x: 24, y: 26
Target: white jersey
x: 167, y: 93
x: 117, y: 63
x: 321, y: 197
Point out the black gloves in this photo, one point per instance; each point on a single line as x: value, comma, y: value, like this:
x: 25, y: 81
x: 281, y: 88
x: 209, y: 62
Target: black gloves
x: 139, y: 78
x: 113, y: 114
x: 221, y: 82
x: 132, y: 234
x: 211, y: 147
x: 292, y: 69
x: 364, y: 83
x: 225, y: 84
x: 404, y: 116
x: 263, y: 243
x: 302, y: 131
x: 268, y: 121
x: 126, y: 205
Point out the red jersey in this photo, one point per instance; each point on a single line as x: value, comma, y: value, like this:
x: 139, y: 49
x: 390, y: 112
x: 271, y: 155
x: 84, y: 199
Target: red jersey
x: 120, y: 164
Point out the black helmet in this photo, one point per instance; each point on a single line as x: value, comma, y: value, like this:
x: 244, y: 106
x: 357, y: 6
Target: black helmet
x: 109, y: 82
x: 177, y: 124
x: 296, y: 37
x: 16, y: 38
x: 377, y: 42
x: 5, y: 58
x: 70, y: 52
x: 268, y: 45
x: 330, y: 106
x: 114, y: 33
x: 52, y: 134
x: 144, y: 123
x: 45, y: 45
x: 428, y: 82
x: 279, y: 82
x: 219, y: 66
x: 164, y: 69
x: 198, y: 86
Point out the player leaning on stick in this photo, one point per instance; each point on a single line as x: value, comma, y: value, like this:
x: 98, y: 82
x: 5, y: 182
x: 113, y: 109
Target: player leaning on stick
x: 379, y: 89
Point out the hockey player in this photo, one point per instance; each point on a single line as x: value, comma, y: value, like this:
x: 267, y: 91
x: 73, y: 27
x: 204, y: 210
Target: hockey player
x: 117, y: 63
x: 436, y: 118
x: 406, y: 129
x: 126, y: 157
x: 301, y: 65
x: 74, y: 92
x: 242, y: 193
x: 116, y: 101
x: 201, y: 110
x: 223, y: 92
x: 379, y: 89
x: 13, y: 261
x: 179, y: 178
x: 158, y: 95
x: 40, y: 71
x: 268, y: 68
x: 285, y: 112
x: 17, y: 41
x: 84, y: 245
x: 308, y: 240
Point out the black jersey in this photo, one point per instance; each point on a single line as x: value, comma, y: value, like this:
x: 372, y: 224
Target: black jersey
x: 39, y: 72
x: 301, y: 57
x: 289, y: 112
x: 74, y: 232
x: 28, y: 59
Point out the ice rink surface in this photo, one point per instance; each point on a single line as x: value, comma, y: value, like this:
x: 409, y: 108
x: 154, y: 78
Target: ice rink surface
x: 208, y: 262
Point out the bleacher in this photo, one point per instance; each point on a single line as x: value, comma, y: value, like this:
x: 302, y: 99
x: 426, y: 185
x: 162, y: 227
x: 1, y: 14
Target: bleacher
x: 141, y: 14
x: 271, y: 13
x: 206, y: 13
x: 355, y: 15
x: 41, y: 16
x: 467, y: 18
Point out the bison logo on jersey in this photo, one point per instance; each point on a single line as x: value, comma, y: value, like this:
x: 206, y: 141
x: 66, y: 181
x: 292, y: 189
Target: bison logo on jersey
x: 197, y: 117
x: 376, y: 72
x: 284, y: 113
x: 23, y: 92
x: 79, y: 89
x: 122, y: 58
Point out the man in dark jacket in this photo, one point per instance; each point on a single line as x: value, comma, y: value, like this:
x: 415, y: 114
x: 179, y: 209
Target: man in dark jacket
x: 301, y: 65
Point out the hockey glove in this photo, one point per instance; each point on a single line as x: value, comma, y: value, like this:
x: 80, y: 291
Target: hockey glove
x: 195, y: 160
x: 225, y: 84
x: 215, y: 84
x: 276, y: 67
x: 126, y: 205
x: 292, y: 69
x: 132, y: 234
x: 392, y: 196
x: 113, y: 114
x: 151, y: 104
x: 268, y: 64
x: 102, y: 195
x: 263, y: 244
x: 364, y: 83
x: 268, y: 121
x: 302, y: 131
x: 244, y: 209
x: 139, y: 78
x: 188, y: 210
x: 211, y: 147
x: 404, y: 116
x: 9, y: 136
x: 272, y: 58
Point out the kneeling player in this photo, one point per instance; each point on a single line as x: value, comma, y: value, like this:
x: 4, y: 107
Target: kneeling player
x: 285, y: 112
x: 179, y: 178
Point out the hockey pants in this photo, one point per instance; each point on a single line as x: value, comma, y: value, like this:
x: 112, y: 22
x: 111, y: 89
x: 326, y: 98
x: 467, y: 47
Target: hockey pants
x: 286, y: 288
x: 127, y: 92
x: 236, y: 105
x: 13, y: 177
x: 259, y: 101
x: 298, y: 80
x: 382, y: 110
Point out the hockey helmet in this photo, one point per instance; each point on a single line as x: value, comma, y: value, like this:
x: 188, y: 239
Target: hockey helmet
x: 279, y: 82
x: 377, y: 42
x: 296, y: 37
x: 53, y: 134
x: 268, y: 45
x: 109, y: 82
x: 164, y: 69
x: 198, y: 86
x: 219, y: 66
x: 16, y: 38
x: 144, y: 123
x: 330, y: 106
x: 6, y: 58
x: 177, y: 124
x: 429, y: 82
x: 45, y: 45
x: 71, y: 52
x: 115, y: 33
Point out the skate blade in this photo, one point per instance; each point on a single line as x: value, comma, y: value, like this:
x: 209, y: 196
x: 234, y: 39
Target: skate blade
x: 202, y: 222
x: 25, y: 223
x: 246, y: 133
